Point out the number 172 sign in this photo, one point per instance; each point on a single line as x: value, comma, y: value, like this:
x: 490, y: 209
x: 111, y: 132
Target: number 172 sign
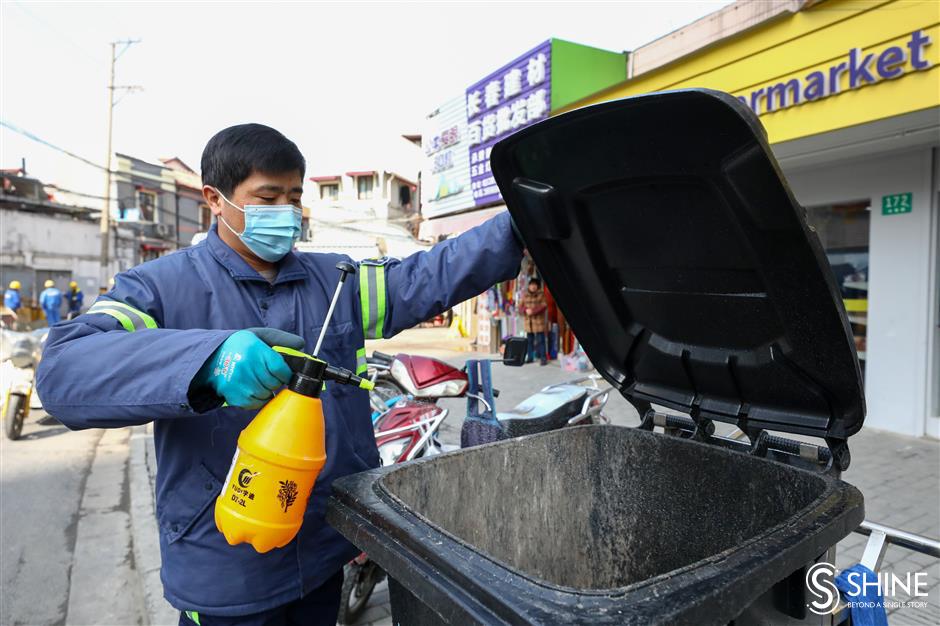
x: 896, y: 203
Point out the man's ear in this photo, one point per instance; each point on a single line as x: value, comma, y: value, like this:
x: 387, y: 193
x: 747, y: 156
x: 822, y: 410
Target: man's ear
x: 213, y: 199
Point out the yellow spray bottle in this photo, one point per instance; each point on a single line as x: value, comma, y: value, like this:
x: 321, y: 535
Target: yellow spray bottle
x: 280, y: 453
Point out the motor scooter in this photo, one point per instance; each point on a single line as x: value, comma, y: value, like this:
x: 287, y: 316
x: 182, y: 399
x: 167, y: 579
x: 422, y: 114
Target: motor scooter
x: 579, y: 401
x: 422, y: 377
x: 19, y: 355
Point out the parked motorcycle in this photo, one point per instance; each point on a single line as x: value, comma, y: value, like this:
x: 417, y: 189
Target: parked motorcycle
x: 19, y: 355
x: 427, y: 379
x: 422, y: 377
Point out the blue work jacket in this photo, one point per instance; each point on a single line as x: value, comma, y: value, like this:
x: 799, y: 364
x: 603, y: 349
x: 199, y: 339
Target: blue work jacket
x: 131, y: 357
x: 11, y: 299
x: 50, y: 299
x: 75, y: 300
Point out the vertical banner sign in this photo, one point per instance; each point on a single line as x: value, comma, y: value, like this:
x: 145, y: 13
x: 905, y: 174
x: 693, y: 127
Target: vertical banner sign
x: 511, y: 98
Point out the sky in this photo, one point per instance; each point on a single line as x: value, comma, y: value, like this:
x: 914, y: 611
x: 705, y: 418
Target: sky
x: 340, y: 79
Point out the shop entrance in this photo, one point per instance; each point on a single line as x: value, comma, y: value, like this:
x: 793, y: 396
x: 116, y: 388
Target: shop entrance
x: 843, y: 230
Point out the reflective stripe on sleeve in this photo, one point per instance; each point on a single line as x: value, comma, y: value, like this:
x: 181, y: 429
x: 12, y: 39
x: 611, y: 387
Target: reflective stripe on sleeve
x: 129, y: 317
x: 361, y: 365
x: 372, y: 294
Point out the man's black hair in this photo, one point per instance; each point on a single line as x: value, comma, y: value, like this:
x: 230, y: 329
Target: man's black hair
x: 535, y: 281
x: 234, y: 153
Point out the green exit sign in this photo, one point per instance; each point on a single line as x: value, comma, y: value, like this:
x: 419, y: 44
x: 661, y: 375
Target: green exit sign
x: 896, y: 203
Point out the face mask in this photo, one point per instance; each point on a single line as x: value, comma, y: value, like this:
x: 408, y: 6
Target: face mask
x: 270, y: 229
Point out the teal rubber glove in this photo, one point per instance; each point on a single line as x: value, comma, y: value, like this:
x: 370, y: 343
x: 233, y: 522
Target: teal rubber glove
x: 245, y: 371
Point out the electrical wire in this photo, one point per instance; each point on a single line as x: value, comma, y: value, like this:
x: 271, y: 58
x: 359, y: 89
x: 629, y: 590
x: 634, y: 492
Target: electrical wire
x: 40, y: 140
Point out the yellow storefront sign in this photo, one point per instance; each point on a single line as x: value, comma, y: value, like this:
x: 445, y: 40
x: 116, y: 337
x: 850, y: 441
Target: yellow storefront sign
x: 832, y: 65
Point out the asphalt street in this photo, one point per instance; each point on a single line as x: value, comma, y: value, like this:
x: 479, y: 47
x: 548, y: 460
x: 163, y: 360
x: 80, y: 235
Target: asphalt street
x: 64, y: 528
x: 42, y: 478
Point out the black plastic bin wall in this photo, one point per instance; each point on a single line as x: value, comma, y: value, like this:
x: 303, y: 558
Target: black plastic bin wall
x: 595, y: 524
x: 671, y: 243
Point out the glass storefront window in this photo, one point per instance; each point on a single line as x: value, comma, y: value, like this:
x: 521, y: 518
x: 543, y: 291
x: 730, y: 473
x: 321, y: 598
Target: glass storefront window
x: 843, y: 230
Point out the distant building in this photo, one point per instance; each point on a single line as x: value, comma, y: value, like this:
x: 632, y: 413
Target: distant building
x: 44, y: 237
x: 380, y: 194
x: 368, y: 211
x: 194, y: 214
x: 161, y: 203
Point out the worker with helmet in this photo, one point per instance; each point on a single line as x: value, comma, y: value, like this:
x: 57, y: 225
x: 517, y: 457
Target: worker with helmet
x: 51, y: 302
x: 11, y: 297
x: 75, y: 298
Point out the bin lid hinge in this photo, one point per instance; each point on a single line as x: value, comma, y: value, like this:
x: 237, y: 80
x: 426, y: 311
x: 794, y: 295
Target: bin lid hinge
x: 677, y: 424
x: 832, y: 459
x: 835, y: 457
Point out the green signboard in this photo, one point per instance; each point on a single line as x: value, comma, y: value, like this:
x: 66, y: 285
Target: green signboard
x: 896, y: 203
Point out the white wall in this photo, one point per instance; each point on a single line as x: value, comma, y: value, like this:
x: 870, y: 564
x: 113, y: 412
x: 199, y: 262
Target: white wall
x: 49, y: 242
x: 899, y: 282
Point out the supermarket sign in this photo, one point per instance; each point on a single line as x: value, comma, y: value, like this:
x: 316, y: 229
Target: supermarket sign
x: 513, y: 97
x: 854, y: 71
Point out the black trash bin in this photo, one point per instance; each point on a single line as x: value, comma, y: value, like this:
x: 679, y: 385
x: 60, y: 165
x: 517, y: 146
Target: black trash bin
x: 675, y: 249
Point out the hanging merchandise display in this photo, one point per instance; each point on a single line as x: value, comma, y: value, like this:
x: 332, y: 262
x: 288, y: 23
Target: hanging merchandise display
x: 499, y: 315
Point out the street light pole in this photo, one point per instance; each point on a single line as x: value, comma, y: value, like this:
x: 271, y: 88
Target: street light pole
x: 105, y: 226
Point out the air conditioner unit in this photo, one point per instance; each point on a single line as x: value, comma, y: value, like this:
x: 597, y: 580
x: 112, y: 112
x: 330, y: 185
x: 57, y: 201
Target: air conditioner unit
x: 164, y: 231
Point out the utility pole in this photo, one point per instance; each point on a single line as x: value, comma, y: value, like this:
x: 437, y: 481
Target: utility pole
x: 106, y: 211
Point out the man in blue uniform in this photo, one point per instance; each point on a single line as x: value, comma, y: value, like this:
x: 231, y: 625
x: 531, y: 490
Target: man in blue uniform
x: 12, y: 301
x: 75, y: 298
x: 51, y: 302
x: 11, y: 297
x: 145, y: 352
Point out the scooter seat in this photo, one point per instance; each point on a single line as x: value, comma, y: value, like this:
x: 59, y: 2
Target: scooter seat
x: 546, y: 410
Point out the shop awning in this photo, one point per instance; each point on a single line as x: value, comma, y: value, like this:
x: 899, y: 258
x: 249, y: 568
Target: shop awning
x: 456, y: 224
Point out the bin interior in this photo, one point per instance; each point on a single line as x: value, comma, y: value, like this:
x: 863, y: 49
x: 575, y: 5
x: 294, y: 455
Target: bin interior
x: 602, y: 507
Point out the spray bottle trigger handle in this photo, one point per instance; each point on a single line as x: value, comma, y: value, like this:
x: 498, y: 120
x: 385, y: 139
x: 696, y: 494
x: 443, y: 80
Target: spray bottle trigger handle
x: 295, y: 359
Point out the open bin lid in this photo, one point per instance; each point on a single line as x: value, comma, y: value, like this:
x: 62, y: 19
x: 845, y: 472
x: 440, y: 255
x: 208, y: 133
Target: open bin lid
x: 676, y: 251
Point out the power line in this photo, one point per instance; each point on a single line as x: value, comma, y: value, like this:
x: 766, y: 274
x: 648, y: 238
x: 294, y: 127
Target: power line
x: 40, y: 140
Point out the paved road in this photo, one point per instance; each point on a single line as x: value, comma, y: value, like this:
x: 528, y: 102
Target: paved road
x: 65, y: 547
x: 42, y: 477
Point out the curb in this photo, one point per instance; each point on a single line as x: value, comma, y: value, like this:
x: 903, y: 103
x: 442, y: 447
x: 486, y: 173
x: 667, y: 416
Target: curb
x: 142, y: 469
x: 103, y: 585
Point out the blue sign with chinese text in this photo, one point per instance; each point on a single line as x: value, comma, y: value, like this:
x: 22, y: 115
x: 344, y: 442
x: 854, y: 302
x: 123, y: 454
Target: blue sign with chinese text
x: 516, y: 95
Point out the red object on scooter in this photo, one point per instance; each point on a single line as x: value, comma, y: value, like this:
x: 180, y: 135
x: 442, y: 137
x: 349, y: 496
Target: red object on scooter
x: 426, y: 377
x: 397, y: 446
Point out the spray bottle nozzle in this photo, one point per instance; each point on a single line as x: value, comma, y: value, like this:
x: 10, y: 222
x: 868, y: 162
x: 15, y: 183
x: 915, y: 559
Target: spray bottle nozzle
x: 346, y: 377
